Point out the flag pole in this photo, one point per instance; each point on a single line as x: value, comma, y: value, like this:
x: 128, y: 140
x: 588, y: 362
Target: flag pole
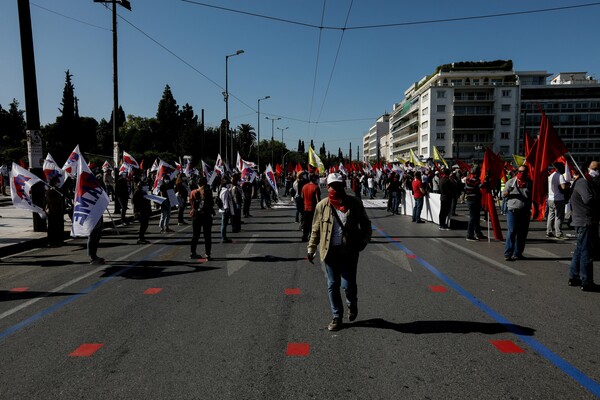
x: 113, y: 222
x: 575, y: 164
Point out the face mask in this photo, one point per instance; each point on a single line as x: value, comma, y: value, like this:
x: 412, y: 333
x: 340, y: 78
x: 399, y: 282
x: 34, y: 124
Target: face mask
x: 521, y: 175
x: 594, y: 173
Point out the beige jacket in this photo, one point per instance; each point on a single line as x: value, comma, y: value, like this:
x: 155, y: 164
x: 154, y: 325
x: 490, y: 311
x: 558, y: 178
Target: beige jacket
x: 357, y: 222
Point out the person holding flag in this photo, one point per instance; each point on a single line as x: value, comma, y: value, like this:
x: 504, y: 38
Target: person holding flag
x: 54, y: 207
x: 90, y: 203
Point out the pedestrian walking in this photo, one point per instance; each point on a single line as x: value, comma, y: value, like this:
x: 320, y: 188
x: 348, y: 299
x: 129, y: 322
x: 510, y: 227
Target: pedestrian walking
x: 122, y: 196
x: 340, y: 230
x: 447, y: 190
x: 228, y: 208
x: 311, y: 195
x: 585, y: 221
x: 237, y: 196
x: 557, y: 187
x: 93, y: 242
x: 182, y: 192
x: 473, y: 196
x: 142, y: 209
x: 165, y: 206
x: 518, y: 194
x: 202, y: 211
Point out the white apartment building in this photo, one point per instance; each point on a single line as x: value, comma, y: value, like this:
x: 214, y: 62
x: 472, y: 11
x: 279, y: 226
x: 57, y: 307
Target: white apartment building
x: 461, y: 109
x: 376, y: 141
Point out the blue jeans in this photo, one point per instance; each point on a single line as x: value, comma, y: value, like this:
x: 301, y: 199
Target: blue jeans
x: 474, y: 213
x: 582, y: 266
x: 341, y: 271
x: 165, y: 215
x: 225, y: 216
x: 518, y: 226
x: 395, y: 201
x: 417, y: 209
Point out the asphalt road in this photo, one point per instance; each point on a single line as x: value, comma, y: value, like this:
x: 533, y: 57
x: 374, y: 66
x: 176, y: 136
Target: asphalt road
x: 439, y: 318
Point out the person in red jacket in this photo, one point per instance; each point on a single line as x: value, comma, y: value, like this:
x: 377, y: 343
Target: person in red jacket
x: 311, y: 194
x: 419, y: 195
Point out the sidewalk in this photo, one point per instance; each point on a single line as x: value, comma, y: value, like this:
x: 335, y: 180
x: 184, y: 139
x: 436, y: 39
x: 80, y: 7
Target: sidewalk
x: 16, y: 227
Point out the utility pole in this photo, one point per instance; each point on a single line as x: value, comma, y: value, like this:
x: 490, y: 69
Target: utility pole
x: 126, y: 4
x: 34, y: 138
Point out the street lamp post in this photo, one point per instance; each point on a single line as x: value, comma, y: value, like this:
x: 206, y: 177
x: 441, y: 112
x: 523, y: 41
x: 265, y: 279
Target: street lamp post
x: 272, y: 137
x: 282, y: 146
x: 226, y: 94
x: 258, y: 127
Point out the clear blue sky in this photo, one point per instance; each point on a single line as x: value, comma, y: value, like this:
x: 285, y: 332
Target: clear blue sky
x: 373, y: 68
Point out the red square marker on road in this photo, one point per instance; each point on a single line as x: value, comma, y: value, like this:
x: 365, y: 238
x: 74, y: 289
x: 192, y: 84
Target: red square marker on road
x: 153, y: 290
x: 19, y: 289
x: 292, y: 291
x: 507, y: 346
x: 438, y: 289
x: 298, y: 349
x: 411, y: 256
x: 86, y: 350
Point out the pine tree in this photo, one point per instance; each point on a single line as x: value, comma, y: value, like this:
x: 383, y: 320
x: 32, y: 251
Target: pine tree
x: 169, y: 122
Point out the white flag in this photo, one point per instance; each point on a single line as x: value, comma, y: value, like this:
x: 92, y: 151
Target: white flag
x: 51, y: 170
x: 90, y: 201
x: 72, y: 163
x: 21, y: 181
x: 271, y: 177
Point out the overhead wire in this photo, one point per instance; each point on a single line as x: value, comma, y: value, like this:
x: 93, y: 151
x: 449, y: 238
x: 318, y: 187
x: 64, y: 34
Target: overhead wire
x: 335, y: 62
x: 312, y: 97
x: 377, y: 26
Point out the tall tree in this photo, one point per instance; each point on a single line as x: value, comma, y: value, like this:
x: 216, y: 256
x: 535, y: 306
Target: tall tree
x: 169, y: 122
x: 12, y: 132
x: 246, y: 139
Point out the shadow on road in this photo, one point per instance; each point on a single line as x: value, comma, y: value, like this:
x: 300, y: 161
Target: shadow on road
x: 428, y: 327
x: 7, y: 295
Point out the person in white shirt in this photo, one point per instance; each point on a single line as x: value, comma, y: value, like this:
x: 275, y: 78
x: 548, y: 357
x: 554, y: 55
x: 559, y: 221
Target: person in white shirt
x: 227, y: 210
x: 557, y: 185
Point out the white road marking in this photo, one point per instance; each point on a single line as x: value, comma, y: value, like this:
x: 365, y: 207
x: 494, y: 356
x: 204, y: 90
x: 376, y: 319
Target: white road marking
x: 235, y: 265
x: 481, y: 257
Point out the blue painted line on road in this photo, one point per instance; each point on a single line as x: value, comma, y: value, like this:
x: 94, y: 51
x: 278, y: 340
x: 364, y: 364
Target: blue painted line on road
x: 26, y: 322
x: 581, y: 378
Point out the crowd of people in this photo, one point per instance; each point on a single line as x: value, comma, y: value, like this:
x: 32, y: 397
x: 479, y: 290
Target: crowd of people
x: 337, y: 225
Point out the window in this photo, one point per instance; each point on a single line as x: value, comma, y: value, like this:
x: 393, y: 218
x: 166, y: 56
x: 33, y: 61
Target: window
x: 441, y: 94
x: 424, y: 137
x: 505, y: 107
x: 425, y: 111
x: 440, y: 135
x: 505, y: 121
x: 476, y: 82
x: 456, y: 82
x: 425, y: 125
x: 441, y: 108
x: 504, y: 149
x: 504, y: 135
x: 441, y: 150
x: 440, y: 122
x: 496, y: 82
x: 506, y: 93
x: 424, y: 151
x: 425, y: 97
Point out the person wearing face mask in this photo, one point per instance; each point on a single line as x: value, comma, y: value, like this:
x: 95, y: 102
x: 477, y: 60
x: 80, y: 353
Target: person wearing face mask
x: 340, y: 229
x: 141, y: 210
x: 585, y: 221
x: 518, y: 194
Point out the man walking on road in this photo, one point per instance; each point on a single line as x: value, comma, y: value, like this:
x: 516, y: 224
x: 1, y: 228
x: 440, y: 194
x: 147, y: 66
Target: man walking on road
x: 341, y: 229
x: 201, y: 202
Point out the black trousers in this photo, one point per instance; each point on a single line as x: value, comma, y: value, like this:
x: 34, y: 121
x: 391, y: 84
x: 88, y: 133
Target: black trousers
x: 201, y: 223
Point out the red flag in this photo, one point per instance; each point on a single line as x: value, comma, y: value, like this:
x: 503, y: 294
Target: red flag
x: 142, y: 165
x: 548, y: 148
x: 299, y: 168
x: 290, y: 167
x: 22, y: 164
x: 529, y: 142
x: 462, y: 165
x: 278, y: 169
x: 492, y: 168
